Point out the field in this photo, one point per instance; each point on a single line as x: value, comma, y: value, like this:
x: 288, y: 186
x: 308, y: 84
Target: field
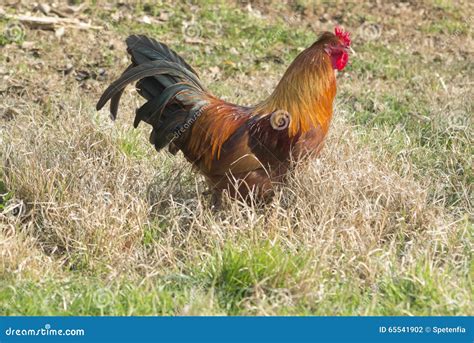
x: 93, y: 221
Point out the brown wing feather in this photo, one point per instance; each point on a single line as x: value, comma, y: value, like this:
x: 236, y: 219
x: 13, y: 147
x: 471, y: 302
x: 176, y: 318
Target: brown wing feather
x: 216, y: 124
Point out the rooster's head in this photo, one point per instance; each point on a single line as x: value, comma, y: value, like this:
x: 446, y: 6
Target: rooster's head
x: 338, y: 48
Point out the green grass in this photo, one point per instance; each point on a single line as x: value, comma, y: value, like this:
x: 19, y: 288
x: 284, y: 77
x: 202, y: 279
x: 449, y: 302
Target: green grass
x: 5, y: 195
x: 447, y: 26
x: 129, y: 143
x: 220, y: 28
x: 379, y: 61
x: 236, y: 274
x: 11, y: 32
x: 88, y: 296
x: 434, y: 143
x: 229, y: 282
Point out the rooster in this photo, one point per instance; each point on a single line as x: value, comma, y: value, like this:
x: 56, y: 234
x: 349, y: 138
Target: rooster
x: 241, y: 150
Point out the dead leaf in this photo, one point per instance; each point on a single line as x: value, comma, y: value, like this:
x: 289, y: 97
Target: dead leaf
x: 234, y: 51
x: 59, y: 32
x: 44, y: 8
x: 215, y: 72
x: 193, y: 40
x: 145, y: 20
x: 27, y: 45
x: 164, y: 16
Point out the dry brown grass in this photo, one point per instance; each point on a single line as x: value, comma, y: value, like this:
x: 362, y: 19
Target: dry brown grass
x: 87, y: 204
x: 354, y: 232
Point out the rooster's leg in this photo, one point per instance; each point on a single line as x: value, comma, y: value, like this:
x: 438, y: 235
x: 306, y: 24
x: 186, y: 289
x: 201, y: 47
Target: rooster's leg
x: 172, y: 148
x: 216, y: 200
x: 207, y: 192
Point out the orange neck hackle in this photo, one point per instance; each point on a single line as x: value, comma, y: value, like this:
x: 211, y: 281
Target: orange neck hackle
x: 306, y: 91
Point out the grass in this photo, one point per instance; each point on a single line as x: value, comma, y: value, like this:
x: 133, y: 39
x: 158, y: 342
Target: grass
x: 93, y: 221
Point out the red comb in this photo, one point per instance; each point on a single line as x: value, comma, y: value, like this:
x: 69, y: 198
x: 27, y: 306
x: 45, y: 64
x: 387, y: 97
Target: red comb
x: 344, y: 36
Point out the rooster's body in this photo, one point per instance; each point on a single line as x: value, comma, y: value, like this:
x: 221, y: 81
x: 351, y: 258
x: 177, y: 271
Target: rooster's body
x: 239, y: 149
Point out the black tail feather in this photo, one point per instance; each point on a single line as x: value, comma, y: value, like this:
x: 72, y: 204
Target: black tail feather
x: 153, y: 50
x: 170, y: 85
